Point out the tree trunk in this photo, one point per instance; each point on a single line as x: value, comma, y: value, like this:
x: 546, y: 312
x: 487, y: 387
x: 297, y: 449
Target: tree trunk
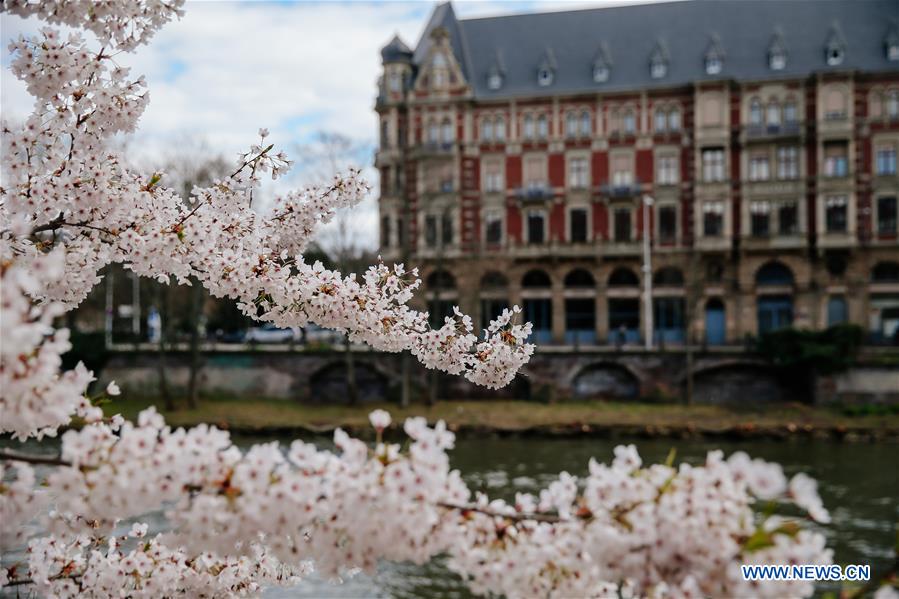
x: 163, y: 295
x: 405, y: 382
x: 433, y: 379
x: 196, y: 311
x: 351, y: 385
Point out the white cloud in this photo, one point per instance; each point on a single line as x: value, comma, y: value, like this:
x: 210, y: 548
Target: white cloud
x: 228, y: 68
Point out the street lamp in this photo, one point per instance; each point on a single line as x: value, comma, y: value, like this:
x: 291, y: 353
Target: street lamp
x: 647, y: 271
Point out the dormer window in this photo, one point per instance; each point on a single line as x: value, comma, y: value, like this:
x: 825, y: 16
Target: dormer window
x: 658, y: 69
x: 777, y: 61
x: 835, y: 48
x: 893, y: 52
x: 602, y: 63
x: 495, y: 81
x: 891, y: 42
x: 496, y: 73
x: 834, y: 56
x: 544, y: 77
x: 600, y: 74
x: 714, y: 56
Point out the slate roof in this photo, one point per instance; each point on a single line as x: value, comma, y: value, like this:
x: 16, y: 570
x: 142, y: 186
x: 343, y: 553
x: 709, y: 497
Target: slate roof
x: 742, y: 30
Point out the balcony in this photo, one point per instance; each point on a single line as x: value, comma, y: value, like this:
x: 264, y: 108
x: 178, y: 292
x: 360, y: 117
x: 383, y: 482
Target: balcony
x: 534, y: 193
x: 435, y: 148
x: 621, y: 190
x: 772, y: 132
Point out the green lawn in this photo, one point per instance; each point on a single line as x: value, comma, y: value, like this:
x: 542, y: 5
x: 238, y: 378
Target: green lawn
x: 561, y: 417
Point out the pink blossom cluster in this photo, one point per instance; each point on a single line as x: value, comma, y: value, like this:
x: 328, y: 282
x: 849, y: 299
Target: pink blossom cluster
x: 69, y: 206
x: 656, y: 531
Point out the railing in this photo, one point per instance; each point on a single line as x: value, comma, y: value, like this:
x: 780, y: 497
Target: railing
x: 767, y: 131
x: 534, y: 193
x: 621, y: 190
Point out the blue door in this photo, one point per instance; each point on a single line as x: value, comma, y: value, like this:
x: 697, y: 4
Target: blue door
x: 714, y: 322
x: 775, y: 312
x: 539, y: 312
x: 836, y: 311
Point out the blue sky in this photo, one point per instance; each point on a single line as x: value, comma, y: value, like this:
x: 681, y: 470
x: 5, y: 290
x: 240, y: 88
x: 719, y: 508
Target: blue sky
x: 228, y: 68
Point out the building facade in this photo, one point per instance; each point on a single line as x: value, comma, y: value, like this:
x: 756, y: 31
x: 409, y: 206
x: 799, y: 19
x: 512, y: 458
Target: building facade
x: 517, y: 154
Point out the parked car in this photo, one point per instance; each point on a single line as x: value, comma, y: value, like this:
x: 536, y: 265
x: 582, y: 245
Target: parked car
x: 269, y: 333
x: 317, y: 335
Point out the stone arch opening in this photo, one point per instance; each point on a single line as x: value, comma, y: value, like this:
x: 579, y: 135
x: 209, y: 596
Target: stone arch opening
x: 605, y: 380
x: 329, y: 384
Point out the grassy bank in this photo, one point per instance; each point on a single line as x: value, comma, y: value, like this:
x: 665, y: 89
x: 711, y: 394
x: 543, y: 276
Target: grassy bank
x: 563, y: 418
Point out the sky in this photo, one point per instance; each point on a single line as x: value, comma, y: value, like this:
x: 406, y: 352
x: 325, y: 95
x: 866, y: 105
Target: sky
x: 228, y: 68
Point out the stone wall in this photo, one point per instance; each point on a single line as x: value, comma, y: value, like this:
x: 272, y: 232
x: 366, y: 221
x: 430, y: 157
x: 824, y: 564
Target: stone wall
x: 732, y: 377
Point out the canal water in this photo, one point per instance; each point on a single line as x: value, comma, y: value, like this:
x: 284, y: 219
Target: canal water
x: 859, y: 484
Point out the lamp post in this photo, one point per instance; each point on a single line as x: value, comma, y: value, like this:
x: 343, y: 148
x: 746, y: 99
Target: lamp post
x: 647, y: 271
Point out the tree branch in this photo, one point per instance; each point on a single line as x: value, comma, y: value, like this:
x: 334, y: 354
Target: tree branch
x: 550, y: 518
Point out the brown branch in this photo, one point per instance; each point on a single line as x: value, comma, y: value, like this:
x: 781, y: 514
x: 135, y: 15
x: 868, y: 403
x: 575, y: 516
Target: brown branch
x: 15, y: 456
x: 23, y: 581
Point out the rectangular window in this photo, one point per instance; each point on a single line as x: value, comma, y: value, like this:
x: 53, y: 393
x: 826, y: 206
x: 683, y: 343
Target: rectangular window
x: 446, y: 223
x: 622, y: 173
x: 787, y: 218
x: 667, y: 224
x: 493, y: 176
x: 578, y: 220
x: 622, y: 224
x: 400, y: 233
x: 667, y: 170
x: 431, y: 231
x: 535, y: 227
x: 713, y: 219
x: 758, y: 168
x: 385, y: 231
x: 886, y: 215
x: 788, y: 163
x: 578, y: 173
x: 835, y: 214
x: 886, y: 160
x: 535, y: 172
x: 836, y: 162
x: 494, y: 228
x: 759, y: 220
x: 713, y: 165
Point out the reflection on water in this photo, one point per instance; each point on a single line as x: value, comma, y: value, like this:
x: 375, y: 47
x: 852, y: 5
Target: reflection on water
x: 858, y: 482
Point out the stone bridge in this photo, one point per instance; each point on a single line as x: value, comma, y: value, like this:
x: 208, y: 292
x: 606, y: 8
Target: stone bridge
x: 728, y: 375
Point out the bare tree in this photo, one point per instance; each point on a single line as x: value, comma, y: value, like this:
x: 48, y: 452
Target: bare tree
x: 328, y: 153
x: 193, y: 164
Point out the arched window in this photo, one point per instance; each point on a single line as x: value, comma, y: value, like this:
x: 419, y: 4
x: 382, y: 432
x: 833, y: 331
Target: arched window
x: 494, y: 280
x: 774, y: 274
x: 528, y: 126
x: 892, y: 104
x: 668, y: 277
x: 433, y: 131
x: 834, y: 104
x: 630, y: 121
x: 790, y: 111
x: 487, y: 129
x: 660, y: 121
x: 542, y: 126
x: 536, y: 279
x: 447, y: 131
x: 570, y: 125
x: 580, y: 278
x: 440, y: 280
x: 623, y: 277
x: 755, y: 112
x: 674, y: 119
x: 885, y: 272
x: 773, y: 113
x: 586, y: 125
x: 500, y: 128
